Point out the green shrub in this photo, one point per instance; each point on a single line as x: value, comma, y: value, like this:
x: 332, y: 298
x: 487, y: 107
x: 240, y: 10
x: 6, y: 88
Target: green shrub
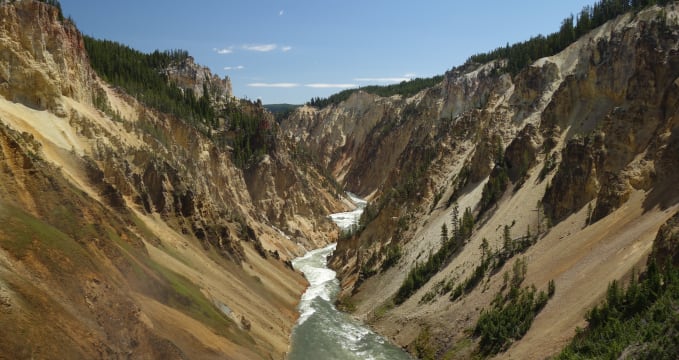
x: 421, y: 273
x: 511, y: 315
x: 404, y: 88
x: 141, y: 76
x: 393, y: 256
x: 643, y: 316
x: 522, y: 54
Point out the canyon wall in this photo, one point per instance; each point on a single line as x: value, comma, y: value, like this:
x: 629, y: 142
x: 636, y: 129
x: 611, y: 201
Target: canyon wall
x: 131, y: 233
x: 575, y: 151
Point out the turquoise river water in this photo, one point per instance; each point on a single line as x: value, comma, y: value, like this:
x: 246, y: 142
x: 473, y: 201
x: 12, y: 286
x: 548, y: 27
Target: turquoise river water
x: 323, y: 332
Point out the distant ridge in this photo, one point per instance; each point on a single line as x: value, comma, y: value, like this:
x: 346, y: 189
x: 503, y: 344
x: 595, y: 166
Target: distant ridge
x: 278, y: 108
x: 281, y: 110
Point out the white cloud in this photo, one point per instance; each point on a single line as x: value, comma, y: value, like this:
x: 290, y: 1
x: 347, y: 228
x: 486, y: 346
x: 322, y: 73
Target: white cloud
x: 280, y: 13
x: 274, y: 85
x: 330, y: 86
x: 261, y: 47
x: 254, y: 47
x: 385, y: 79
x: 223, y: 51
x: 239, y: 67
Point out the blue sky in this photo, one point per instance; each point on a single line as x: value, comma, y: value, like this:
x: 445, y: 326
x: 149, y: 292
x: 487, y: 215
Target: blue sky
x: 289, y: 51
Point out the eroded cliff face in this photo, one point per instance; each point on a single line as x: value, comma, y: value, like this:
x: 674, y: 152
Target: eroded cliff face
x: 666, y: 243
x: 189, y: 75
x: 577, y: 148
x: 623, y: 97
x: 135, y: 235
x: 56, y: 291
x: 33, y: 38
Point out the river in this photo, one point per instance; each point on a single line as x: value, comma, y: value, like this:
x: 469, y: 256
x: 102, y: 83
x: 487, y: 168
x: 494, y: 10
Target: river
x: 323, y: 332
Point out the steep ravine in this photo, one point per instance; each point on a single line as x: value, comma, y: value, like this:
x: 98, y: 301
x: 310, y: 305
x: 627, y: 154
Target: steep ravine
x: 130, y: 233
x: 322, y: 331
x: 578, y: 150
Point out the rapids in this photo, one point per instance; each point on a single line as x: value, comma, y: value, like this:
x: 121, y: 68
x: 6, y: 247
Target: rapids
x: 323, y: 332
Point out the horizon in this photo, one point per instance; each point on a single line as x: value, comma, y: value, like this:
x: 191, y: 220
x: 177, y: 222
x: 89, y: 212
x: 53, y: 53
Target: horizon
x: 268, y: 52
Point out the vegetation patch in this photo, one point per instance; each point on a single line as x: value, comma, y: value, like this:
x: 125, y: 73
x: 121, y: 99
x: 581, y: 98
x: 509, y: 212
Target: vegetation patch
x: 460, y: 350
x: 522, y: 54
x: 178, y: 292
x: 141, y: 75
x: 493, y: 260
x: 252, y: 135
x: 497, y: 182
x: 393, y: 255
x: 511, y: 314
x: 421, y: 273
x: 281, y: 111
x: 422, y: 345
x: 382, y: 310
x: 404, y: 88
x: 346, y: 304
x: 247, y: 129
x: 23, y: 233
x: 550, y: 164
x: 188, y: 298
x: 641, y: 320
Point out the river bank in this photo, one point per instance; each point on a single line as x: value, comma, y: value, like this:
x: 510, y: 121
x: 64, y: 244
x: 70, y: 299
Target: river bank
x: 322, y: 331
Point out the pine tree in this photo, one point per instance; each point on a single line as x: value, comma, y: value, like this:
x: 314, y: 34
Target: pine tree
x: 551, y: 288
x: 455, y: 220
x: 444, y: 234
x: 529, y: 236
x: 467, y: 225
x: 484, y: 249
x: 507, y: 245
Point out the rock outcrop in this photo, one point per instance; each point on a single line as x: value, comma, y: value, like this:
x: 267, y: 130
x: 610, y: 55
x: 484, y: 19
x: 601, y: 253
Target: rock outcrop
x: 576, y: 181
x: 34, y: 39
x: 521, y: 154
x: 666, y: 243
x: 189, y: 75
x: 620, y: 95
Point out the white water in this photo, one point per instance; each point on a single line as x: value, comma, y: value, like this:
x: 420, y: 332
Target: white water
x: 345, y: 220
x: 322, y: 332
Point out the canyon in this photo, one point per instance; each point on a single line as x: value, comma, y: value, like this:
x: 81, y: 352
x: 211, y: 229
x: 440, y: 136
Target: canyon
x: 129, y: 232
x: 577, y: 150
